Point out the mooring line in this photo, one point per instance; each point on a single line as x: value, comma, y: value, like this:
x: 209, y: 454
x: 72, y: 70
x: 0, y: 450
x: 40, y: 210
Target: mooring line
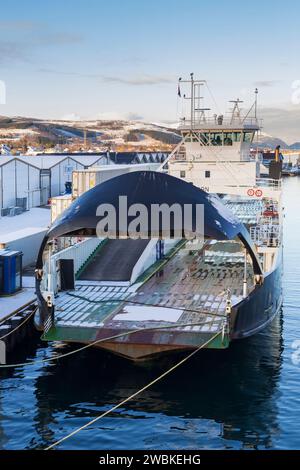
x: 19, y: 326
x: 133, y: 395
x: 89, y: 345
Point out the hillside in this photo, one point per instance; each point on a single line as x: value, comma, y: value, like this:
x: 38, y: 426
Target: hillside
x: 266, y: 140
x: 21, y: 133
x: 28, y: 134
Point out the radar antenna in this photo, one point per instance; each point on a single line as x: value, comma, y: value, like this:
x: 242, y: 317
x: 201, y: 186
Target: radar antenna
x: 236, y: 111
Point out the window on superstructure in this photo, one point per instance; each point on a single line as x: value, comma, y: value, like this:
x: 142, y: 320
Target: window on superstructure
x: 227, y: 138
x: 216, y: 138
x: 182, y: 174
x: 248, y: 136
x: 204, y: 138
x: 236, y: 136
x: 207, y: 174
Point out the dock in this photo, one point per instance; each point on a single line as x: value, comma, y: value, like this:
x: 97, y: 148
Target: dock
x: 16, y: 316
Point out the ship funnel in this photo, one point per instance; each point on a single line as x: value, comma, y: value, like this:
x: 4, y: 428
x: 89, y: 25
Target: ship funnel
x: 275, y: 167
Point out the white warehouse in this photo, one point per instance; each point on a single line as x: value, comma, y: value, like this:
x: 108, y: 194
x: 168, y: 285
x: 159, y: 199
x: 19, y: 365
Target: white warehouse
x: 29, y: 181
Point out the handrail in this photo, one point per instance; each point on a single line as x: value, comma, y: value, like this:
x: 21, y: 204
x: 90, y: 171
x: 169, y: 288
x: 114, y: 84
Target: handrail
x: 226, y: 122
x: 269, y: 182
x: 266, y: 235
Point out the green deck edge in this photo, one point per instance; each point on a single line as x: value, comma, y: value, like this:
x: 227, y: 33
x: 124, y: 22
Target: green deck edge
x: 64, y: 333
x: 89, y: 335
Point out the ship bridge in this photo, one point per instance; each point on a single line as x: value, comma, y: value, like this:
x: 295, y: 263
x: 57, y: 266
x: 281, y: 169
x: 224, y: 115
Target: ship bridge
x: 214, y: 153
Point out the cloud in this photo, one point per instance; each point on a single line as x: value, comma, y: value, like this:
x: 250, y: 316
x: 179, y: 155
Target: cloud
x: 118, y: 116
x: 142, y: 80
x: 67, y: 73
x: 53, y: 39
x: 134, y: 117
x: 11, y: 51
x: 22, y: 50
x: 132, y: 81
x: 266, y: 83
x: 71, y: 117
x: 22, y: 25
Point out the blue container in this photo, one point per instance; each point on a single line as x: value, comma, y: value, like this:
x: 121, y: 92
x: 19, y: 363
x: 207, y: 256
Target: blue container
x: 10, y: 271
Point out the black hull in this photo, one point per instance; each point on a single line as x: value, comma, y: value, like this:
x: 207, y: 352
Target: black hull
x: 254, y: 312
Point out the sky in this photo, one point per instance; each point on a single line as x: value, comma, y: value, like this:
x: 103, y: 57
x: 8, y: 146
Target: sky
x: 94, y: 59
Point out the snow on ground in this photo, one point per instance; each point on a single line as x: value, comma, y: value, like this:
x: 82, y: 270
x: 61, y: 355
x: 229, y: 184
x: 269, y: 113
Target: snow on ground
x: 13, y: 228
x: 32, y: 221
x: 16, y: 132
x: 11, y: 303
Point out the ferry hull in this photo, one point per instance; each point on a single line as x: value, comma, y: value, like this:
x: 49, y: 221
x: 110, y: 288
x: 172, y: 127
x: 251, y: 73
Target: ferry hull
x: 248, y: 317
x: 260, y: 307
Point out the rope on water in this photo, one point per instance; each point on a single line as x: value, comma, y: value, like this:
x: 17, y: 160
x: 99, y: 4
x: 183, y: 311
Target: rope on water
x: 134, y: 394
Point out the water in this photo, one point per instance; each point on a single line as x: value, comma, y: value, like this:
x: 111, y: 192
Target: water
x: 245, y: 397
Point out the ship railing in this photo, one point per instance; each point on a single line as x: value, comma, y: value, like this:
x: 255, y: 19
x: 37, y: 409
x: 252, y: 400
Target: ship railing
x: 266, y: 235
x: 269, y: 183
x: 49, y: 322
x: 79, y: 253
x: 217, y: 123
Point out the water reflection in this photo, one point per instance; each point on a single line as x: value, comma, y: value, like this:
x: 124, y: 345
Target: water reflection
x: 235, y: 389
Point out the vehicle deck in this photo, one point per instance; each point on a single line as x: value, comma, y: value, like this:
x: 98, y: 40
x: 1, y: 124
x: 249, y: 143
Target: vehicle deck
x: 190, y: 288
x: 114, y: 262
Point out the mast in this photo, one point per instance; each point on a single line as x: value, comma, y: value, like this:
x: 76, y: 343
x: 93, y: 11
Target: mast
x: 195, y: 97
x: 192, y: 100
x: 236, y: 112
x: 255, y: 103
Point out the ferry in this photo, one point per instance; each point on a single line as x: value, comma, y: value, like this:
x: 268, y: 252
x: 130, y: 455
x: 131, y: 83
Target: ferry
x: 150, y: 295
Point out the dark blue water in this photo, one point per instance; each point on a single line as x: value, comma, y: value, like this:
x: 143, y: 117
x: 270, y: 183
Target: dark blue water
x: 245, y: 397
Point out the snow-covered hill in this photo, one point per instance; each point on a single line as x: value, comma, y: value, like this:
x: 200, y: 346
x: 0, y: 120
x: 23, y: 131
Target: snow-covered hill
x: 95, y: 133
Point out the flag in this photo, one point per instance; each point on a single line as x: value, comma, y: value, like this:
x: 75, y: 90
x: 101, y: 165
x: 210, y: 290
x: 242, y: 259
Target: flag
x: 179, y: 91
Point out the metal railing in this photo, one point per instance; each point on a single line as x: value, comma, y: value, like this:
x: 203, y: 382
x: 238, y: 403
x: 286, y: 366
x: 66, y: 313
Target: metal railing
x: 266, y: 235
x: 269, y: 183
x: 78, y: 252
x: 226, y: 122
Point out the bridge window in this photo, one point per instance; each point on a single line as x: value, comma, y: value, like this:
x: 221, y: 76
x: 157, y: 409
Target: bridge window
x: 216, y: 138
x: 236, y: 136
x: 204, y: 138
x: 227, y: 138
x: 248, y: 136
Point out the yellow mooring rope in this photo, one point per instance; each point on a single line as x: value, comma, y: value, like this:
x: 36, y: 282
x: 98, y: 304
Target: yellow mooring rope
x: 133, y: 395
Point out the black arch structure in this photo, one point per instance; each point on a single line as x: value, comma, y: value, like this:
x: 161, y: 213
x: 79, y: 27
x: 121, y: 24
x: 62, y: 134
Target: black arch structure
x: 148, y: 188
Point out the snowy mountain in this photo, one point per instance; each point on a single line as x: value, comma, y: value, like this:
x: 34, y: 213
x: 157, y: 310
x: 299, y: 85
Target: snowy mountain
x: 266, y: 140
x: 72, y: 134
x: 19, y: 131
